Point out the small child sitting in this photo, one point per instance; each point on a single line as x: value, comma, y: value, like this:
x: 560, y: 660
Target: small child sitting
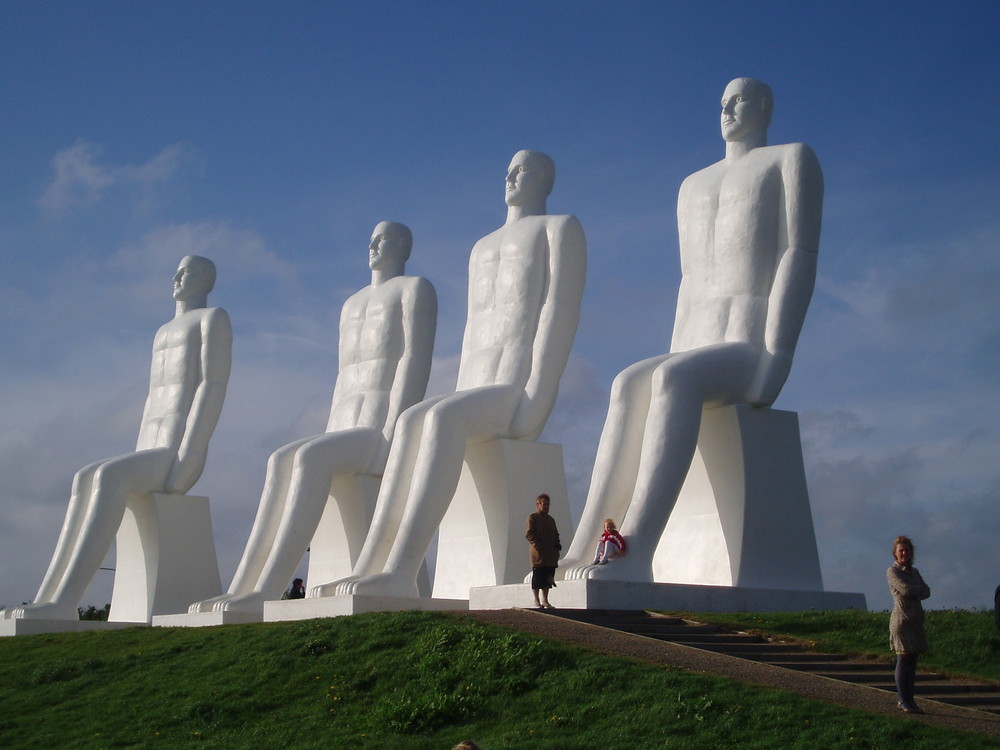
x: 612, y: 544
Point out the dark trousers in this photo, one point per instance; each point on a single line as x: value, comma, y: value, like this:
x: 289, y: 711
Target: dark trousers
x: 906, y: 677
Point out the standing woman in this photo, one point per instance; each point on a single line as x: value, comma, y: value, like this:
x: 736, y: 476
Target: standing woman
x: 906, y: 625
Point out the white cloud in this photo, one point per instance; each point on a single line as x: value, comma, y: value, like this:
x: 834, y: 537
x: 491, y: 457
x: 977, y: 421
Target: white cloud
x: 81, y: 179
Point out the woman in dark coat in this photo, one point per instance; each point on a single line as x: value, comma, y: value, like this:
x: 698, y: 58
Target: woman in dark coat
x: 543, y: 536
x: 906, y: 625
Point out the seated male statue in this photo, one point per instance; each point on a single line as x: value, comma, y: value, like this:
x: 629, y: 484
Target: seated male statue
x: 525, y: 286
x: 192, y: 355
x: 749, y: 230
x: 386, y: 342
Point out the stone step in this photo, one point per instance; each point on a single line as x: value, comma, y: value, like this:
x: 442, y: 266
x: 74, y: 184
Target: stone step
x: 687, y: 636
x: 809, y: 663
x: 802, y: 660
x: 756, y: 651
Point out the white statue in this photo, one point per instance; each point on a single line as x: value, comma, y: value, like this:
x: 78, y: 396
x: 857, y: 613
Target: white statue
x: 192, y: 355
x: 386, y: 342
x: 525, y: 286
x: 749, y: 230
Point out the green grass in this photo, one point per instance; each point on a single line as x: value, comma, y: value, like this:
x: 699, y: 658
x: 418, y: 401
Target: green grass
x: 406, y: 680
x: 961, y: 642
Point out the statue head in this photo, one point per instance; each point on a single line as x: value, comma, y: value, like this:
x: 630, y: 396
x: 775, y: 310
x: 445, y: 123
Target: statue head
x: 530, y: 176
x: 747, y: 105
x: 195, y: 277
x: 390, y: 245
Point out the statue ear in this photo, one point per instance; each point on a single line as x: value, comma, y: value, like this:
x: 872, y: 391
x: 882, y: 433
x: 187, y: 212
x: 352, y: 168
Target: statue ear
x: 767, y: 106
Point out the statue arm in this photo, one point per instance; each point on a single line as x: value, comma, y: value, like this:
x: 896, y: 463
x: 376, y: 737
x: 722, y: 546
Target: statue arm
x: 681, y: 315
x: 795, y: 272
x: 216, y: 362
x: 413, y: 369
x: 683, y: 295
x: 557, y: 322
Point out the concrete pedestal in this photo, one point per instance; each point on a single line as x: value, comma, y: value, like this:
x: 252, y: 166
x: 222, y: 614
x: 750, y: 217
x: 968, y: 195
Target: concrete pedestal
x: 204, y: 619
x: 342, y: 530
x: 743, y: 517
x: 339, y: 606
x: 481, y: 539
x: 666, y: 596
x: 165, y: 557
x: 36, y: 627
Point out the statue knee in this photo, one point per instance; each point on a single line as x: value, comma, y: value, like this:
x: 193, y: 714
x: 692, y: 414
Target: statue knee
x: 625, y: 383
x: 283, y: 453
x: 669, y: 377
x: 108, y: 479
x: 311, y: 453
x: 409, y: 420
x: 438, y: 416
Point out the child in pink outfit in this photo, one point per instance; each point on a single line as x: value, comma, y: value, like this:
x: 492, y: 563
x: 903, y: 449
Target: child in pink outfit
x: 612, y: 544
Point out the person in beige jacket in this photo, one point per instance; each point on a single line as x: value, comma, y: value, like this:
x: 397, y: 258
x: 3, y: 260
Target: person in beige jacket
x: 906, y: 624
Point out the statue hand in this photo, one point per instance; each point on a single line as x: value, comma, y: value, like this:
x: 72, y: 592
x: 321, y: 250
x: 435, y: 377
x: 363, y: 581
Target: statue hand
x: 528, y: 421
x: 772, y: 371
x: 184, y: 473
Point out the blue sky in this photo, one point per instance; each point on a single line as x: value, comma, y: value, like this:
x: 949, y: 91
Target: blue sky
x: 272, y: 137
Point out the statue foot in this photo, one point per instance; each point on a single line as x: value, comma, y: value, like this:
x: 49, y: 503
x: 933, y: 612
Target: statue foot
x: 632, y: 569
x: 42, y: 611
x: 207, y: 605
x: 383, y: 584
x: 251, y: 603
x: 566, y: 566
x: 331, y: 589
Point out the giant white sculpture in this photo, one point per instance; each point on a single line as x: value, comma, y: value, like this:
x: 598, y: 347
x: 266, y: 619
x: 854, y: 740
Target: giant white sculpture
x: 192, y: 355
x: 386, y: 342
x: 749, y: 229
x: 525, y: 286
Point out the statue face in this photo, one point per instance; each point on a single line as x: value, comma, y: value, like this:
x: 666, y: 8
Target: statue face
x: 525, y: 180
x: 743, y: 111
x: 385, y: 248
x: 189, y: 280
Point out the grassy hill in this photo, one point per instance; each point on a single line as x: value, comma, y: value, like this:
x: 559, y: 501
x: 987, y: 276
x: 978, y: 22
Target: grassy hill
x: 406, y: 680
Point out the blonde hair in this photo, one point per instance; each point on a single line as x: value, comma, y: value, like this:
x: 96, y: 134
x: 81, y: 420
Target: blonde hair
x: 610, y: 522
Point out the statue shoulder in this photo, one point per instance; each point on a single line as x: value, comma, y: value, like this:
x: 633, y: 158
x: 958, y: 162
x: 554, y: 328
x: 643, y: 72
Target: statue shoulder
x: 800, y: 168
x: 418, y: 291
x: 796, y: 153
x: 214, y: 317
x: 703, y: 174
x: 565, y: 229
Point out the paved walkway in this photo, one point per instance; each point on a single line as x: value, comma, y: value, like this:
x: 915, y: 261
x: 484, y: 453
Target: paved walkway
x: 811, y: 686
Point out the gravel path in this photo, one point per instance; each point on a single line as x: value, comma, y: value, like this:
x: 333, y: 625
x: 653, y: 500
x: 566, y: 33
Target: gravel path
x: 654, y: 651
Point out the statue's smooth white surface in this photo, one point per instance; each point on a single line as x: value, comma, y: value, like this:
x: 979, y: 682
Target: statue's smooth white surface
x: 386, y: 342
x: 525, y: 286
x: 749, y: 230
x: 192, y: 355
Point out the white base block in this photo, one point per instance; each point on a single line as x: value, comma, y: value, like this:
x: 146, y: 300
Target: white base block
x: 165, y: 557
x: 337, y: 541
x: 481, y: 538
x: 204, y: 619
x: 743, y: 518
x: 339, y: 606
x: 35, y: 627
x: 675, y: 597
